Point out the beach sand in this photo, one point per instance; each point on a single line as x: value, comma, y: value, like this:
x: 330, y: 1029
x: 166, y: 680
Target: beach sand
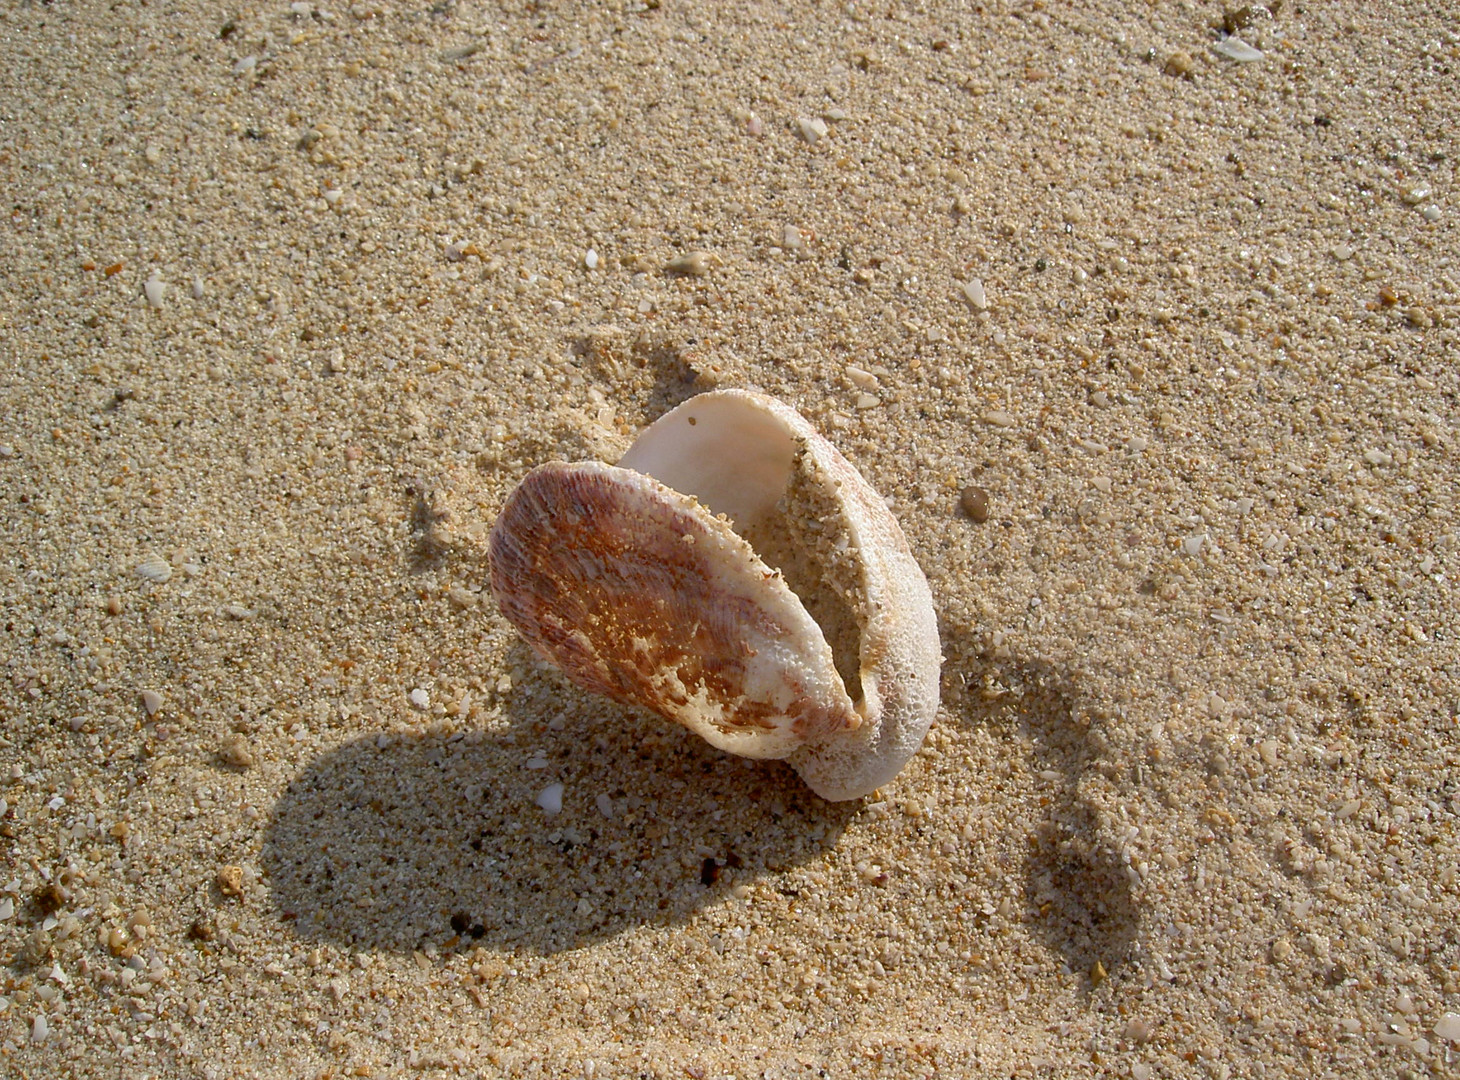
x: 294, y: 294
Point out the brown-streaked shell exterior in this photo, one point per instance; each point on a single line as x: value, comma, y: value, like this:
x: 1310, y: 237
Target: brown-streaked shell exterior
x: 634, y: 591
x: 637, y: 590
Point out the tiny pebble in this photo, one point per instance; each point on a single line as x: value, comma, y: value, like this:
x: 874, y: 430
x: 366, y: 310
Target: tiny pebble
x: 1138, y: 1030
x: 245, y: 65
x: 1415, y: 195
x: 230, y: 880
x: 1342, y: 252
x: 1234, y: 48
x: 1448, y: 1027
x: 1192, y: 545
x: 975, y: 503
x: 973, y: 292
x: 811, y: 129
x: 998, y: 418
x: 604, y: 804
x: 197, y: 288
x: 39, y: 1031
x: 420, y: 698
x: 154, y: 569
x: 590, y: 259
x: 7, y: 909
x: 1430, y: 212
x: 236, y: 751
x: 1179, y: 63
x: 155, y: 290
x: 550, y: 799
x: 691, y: 264
x: 151, y: 701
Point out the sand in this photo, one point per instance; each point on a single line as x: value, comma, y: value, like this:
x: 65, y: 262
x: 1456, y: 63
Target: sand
x: 295, y: 294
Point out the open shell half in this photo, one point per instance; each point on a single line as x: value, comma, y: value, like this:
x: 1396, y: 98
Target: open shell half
x: 736, y: 574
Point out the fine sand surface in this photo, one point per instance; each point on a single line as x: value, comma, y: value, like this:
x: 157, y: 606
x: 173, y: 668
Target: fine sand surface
x: 295, y: 293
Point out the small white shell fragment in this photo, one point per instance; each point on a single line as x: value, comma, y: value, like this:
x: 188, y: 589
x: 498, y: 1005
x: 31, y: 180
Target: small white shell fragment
x: 1448, y: 1027
x: 332, y: 195
x: 812, y: 129
x: 155, y: 290
x: 197, y: 288
x: 973, y: 292
x: 604, y: 804
x: 151, y: 701
x: 420, y: 698
x: 245, y: 65
x: 154, y: 569
x: 7, y: 909
x: 646, y: 582
x: 550, y: 799
x: 1234, y: 48
x: 590, y: 259
x: 999, y: 418
x: 39, y: 1030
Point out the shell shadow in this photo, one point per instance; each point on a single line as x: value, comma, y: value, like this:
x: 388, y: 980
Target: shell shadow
x: 438, y: 841
x: 1079, y: 899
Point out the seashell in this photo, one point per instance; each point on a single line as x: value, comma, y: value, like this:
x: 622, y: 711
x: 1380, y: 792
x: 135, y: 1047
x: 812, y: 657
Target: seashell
x: 736, y: 574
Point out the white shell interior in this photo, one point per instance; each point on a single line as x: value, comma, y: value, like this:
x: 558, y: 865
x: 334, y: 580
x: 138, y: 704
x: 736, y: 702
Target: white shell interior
x: 733, y: 458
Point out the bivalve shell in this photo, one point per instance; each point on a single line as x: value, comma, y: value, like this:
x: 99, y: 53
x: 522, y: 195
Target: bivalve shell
x: 736, y: 574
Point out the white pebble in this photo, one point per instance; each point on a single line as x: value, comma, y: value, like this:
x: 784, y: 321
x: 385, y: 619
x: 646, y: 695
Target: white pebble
x: 197, y: 288
x: 590, y: 259
x: 300, y: 8
x: 154, y: 569
x: 812, y: 129
x: 420, y: 698
x: 246, y: 65
x: 791, y: 238
x: 155, y: 290
x: 151, y: 701
x: 550, y: 799
x: 1430, y: 212
x: 1234, y: 48
x: 1192, y: 545
x: 333, y: 195
x: 604, y: 804
x: 39, y: 1030
x: 7, y: 907
x: 973, y: 292
x: 998, y: 418
x: 1448, y: 1027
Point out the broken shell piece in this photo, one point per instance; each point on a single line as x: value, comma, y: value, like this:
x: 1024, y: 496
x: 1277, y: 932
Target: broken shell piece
x: 736, y: 574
